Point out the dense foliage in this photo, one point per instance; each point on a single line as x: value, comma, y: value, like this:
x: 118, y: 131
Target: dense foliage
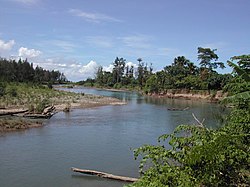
x: 23, y: 71
x: 181, y: 74
x: 199, y: 156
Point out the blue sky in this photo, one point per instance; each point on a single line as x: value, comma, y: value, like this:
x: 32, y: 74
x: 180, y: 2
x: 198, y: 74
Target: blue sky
x: 78, y: 35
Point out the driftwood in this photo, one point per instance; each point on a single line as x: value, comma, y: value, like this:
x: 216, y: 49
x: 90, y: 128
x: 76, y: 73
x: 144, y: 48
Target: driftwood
x: 198, y: 121
x: 4, y: 112
x: 104, y: 175
x: 48, y: 109
x: 37, y: 116
x: 178, y: 109
x: 47, y: 113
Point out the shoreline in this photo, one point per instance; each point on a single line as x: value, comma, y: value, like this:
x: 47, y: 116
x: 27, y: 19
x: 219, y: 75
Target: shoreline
x: 103, y: 88
x: 189, y: 95
x: 203, y: 95
x: 18, y: 117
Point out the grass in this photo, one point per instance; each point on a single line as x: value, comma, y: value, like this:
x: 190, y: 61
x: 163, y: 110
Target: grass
x: 34, y: 96
x: 37, y: 97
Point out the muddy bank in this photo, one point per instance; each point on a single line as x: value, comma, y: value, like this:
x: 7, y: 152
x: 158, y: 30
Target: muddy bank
x: 211, y: 96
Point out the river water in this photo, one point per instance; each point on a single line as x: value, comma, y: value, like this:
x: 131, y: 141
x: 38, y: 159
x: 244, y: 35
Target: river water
x: 99, y: 138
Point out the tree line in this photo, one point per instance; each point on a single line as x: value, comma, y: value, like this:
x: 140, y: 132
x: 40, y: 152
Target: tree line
x: 181, y: 74
x: 23, y: 71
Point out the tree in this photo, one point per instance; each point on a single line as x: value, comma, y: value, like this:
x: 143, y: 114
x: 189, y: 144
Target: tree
x: 206, y: 56
x: 23, y: 71
x: 99, y: 76
x: 152, y: 84
x: 143, y: 72
x: 118, y: 70
x: 140, y: 70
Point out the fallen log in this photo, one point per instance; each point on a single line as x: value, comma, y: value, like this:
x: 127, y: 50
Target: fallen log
x: 37, y: 116
x: 178, y: 109
x: 104, y: 175
x: 4, y: 112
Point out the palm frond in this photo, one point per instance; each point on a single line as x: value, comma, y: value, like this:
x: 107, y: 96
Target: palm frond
x: 236, y: 98
x: 241, y: 72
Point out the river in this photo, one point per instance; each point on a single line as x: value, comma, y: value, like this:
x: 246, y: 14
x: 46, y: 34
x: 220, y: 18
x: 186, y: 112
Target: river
x: 99, y: 138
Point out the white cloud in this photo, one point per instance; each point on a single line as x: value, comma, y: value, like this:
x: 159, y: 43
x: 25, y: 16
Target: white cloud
x: 108, y: 68
x: 6, y: 46
x: 92, y: 17
x: 28, y: 53
x: 129, y: 64
x: 73, y: 70
x: 89, y: 70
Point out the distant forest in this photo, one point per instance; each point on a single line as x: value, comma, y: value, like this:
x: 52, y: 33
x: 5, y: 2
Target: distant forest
x: 181, y: 74
x: 23, y: 71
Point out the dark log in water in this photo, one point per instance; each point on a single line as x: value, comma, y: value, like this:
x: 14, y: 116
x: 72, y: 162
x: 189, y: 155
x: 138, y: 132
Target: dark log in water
x: 178, y: 109
x: 104, y: 175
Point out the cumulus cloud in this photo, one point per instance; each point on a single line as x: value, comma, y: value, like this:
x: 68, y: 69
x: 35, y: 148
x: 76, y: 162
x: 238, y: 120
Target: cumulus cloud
x: 24, y: 52
x: 108, y: 68
x: 6, y: 46
x: 90, y: 69
x: 92, y: 17
x: 73, y: 70
x: 129, y: 64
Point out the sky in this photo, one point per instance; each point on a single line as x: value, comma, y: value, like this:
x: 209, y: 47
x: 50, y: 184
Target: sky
x: 77, y: 36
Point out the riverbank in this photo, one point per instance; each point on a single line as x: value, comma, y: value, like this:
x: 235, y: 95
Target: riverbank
x: 34, y: 102
x: 210, y: 96
x: 205, y: 95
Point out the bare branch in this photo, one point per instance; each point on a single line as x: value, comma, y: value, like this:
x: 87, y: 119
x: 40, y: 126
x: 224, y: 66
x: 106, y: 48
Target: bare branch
x: 198, y: 121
